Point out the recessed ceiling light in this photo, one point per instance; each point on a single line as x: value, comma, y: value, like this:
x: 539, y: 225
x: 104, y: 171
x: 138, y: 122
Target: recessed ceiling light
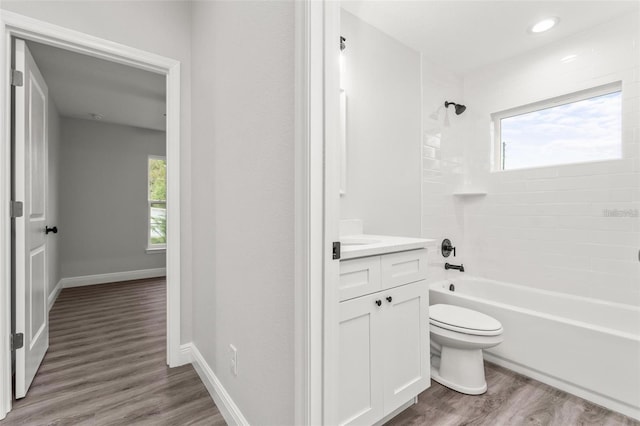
x: 544, y: 25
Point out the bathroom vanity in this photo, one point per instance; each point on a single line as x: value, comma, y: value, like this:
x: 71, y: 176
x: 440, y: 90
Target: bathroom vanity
x: 383, y: 326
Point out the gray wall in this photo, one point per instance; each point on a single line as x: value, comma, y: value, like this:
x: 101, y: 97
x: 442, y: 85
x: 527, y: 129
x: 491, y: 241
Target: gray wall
x: 382, y: 83
x: 243, y: 173
x: 53, y: 184
x: 103, y: 196
x: 162, y: 27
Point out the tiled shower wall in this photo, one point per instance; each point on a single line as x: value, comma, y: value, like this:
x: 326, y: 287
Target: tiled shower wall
x: 442, y: 164
x: 548, y: 227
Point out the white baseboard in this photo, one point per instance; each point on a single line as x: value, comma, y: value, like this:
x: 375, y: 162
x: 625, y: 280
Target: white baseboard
x: 54, y: 294
x: 229, y: 410
x: 112, y: 277
x: 587, y: 394
x: 186, y: 355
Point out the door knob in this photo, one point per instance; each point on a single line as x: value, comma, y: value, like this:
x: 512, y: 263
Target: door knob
x: 54, y: 230
x: 378, y: 302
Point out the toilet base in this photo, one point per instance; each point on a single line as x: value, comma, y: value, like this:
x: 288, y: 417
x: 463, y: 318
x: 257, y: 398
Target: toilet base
x: 459, y: 369
x: 435, y: 375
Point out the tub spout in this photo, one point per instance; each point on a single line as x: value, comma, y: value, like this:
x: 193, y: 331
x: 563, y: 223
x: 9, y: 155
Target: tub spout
x: 448, y: 266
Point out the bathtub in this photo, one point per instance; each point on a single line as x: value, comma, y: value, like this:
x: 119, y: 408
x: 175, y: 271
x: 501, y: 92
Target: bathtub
x: 583, y: 346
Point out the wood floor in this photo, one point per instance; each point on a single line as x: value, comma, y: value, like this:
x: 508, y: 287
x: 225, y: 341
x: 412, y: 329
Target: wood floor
x: 511, y: 399
x: 106, y: 364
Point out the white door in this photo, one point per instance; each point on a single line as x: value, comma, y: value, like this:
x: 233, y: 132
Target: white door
x: 360, y: 391
x: 406, y: 336
x: 30, y: 180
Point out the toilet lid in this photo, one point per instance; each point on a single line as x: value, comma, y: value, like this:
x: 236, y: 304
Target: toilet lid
x: 463, y: 320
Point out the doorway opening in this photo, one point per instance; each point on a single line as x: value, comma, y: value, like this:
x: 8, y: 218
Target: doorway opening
x: 46, y: 36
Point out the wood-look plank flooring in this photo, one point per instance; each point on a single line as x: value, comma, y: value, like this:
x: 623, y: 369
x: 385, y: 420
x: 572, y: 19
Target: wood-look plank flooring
x: 512, y: 399
x: 106, y: 364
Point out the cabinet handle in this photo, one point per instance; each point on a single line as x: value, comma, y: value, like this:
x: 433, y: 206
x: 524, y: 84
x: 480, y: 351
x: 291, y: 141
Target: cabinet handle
x: 378, y: 302
x: 389, y: 299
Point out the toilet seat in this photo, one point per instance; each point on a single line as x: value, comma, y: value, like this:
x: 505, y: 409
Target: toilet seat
x: 462, y: 320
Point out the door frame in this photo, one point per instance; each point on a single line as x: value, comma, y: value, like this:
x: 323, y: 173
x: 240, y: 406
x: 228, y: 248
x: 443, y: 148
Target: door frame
x: 16, y: 25
x: 317, y: 108
x: 309, y: 212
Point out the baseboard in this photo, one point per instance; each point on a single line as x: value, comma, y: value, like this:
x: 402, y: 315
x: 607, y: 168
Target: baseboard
x: 54, y: 294
x: 594, y: 397
x: 112, y: 277
x: 229, y: 410
x: 186, y: 355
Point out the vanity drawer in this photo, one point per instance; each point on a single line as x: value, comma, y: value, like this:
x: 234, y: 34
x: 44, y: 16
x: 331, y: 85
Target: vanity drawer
x: 403, y: 267
x: 359, y: 276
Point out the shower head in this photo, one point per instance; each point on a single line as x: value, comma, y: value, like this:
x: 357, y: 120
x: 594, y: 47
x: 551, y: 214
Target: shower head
x: 459, y: 108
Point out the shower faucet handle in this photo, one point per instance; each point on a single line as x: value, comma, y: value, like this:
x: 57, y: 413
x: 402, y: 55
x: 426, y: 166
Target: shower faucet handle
x: 447, y: 248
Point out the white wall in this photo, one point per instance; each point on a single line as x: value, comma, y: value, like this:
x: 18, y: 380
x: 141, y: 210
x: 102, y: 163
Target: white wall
x: 103, y: 197
x: 243, y: 171
x: 161, y: 27
x: 442, y: 165
x: 53, y: 186
x: 545, y: 227
x: 382, y: 83
x: 238, y: 235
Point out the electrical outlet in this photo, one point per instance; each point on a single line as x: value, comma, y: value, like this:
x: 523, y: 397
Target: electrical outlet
x: 233, y: 360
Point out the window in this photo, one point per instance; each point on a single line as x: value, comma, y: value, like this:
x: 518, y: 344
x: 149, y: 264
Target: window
x: 577, y: 128
x: 157, y: 201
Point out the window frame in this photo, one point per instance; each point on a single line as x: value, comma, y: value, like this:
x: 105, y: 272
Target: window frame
x: 153, y: 248
x: 497, y: 117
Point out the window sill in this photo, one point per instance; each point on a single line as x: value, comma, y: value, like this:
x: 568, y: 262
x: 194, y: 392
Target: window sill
x: 155, y: 250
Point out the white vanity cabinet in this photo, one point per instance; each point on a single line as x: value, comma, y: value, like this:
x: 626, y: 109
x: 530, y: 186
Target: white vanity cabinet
x: 365, y: 275
x: 384, y: 335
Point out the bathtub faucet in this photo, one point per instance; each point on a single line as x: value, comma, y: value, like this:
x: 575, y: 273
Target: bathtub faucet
x: 448, y: 266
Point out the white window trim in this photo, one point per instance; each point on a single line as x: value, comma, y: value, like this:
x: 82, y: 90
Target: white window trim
x: 153, y: 248
x: 581, y: 95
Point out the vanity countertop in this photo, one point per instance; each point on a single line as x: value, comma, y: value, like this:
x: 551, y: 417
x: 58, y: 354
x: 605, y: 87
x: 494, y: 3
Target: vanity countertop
x: 362, y: 245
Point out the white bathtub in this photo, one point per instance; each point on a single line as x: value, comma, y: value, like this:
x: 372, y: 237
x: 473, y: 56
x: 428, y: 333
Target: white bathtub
x: 584, y: 346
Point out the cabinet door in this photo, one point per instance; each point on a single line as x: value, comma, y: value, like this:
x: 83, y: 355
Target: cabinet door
x: 405, y: 329
x: 360, y: 398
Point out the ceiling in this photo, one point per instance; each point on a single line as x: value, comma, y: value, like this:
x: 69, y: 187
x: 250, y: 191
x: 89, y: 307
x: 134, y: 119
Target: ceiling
x: 466, y: 35
x: 81, y: 85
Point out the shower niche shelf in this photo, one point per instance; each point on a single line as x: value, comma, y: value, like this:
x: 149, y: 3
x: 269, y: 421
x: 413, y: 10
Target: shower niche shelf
x: 469, y: 192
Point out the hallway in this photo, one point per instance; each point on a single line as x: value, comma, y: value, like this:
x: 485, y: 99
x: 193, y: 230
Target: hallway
x: 106, y: 364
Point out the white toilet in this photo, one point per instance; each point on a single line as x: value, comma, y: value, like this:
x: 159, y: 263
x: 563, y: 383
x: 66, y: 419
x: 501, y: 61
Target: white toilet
x: 458, y: 336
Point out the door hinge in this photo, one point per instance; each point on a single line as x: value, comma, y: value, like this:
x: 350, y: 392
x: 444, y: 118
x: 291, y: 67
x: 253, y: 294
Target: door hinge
x: 17, y: 208
x: 17, y: 78
x: 336, y: 250
x: 17, y: 341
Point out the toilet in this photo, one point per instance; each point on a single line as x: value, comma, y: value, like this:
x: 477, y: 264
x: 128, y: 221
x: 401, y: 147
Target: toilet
x: 458, y: 336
